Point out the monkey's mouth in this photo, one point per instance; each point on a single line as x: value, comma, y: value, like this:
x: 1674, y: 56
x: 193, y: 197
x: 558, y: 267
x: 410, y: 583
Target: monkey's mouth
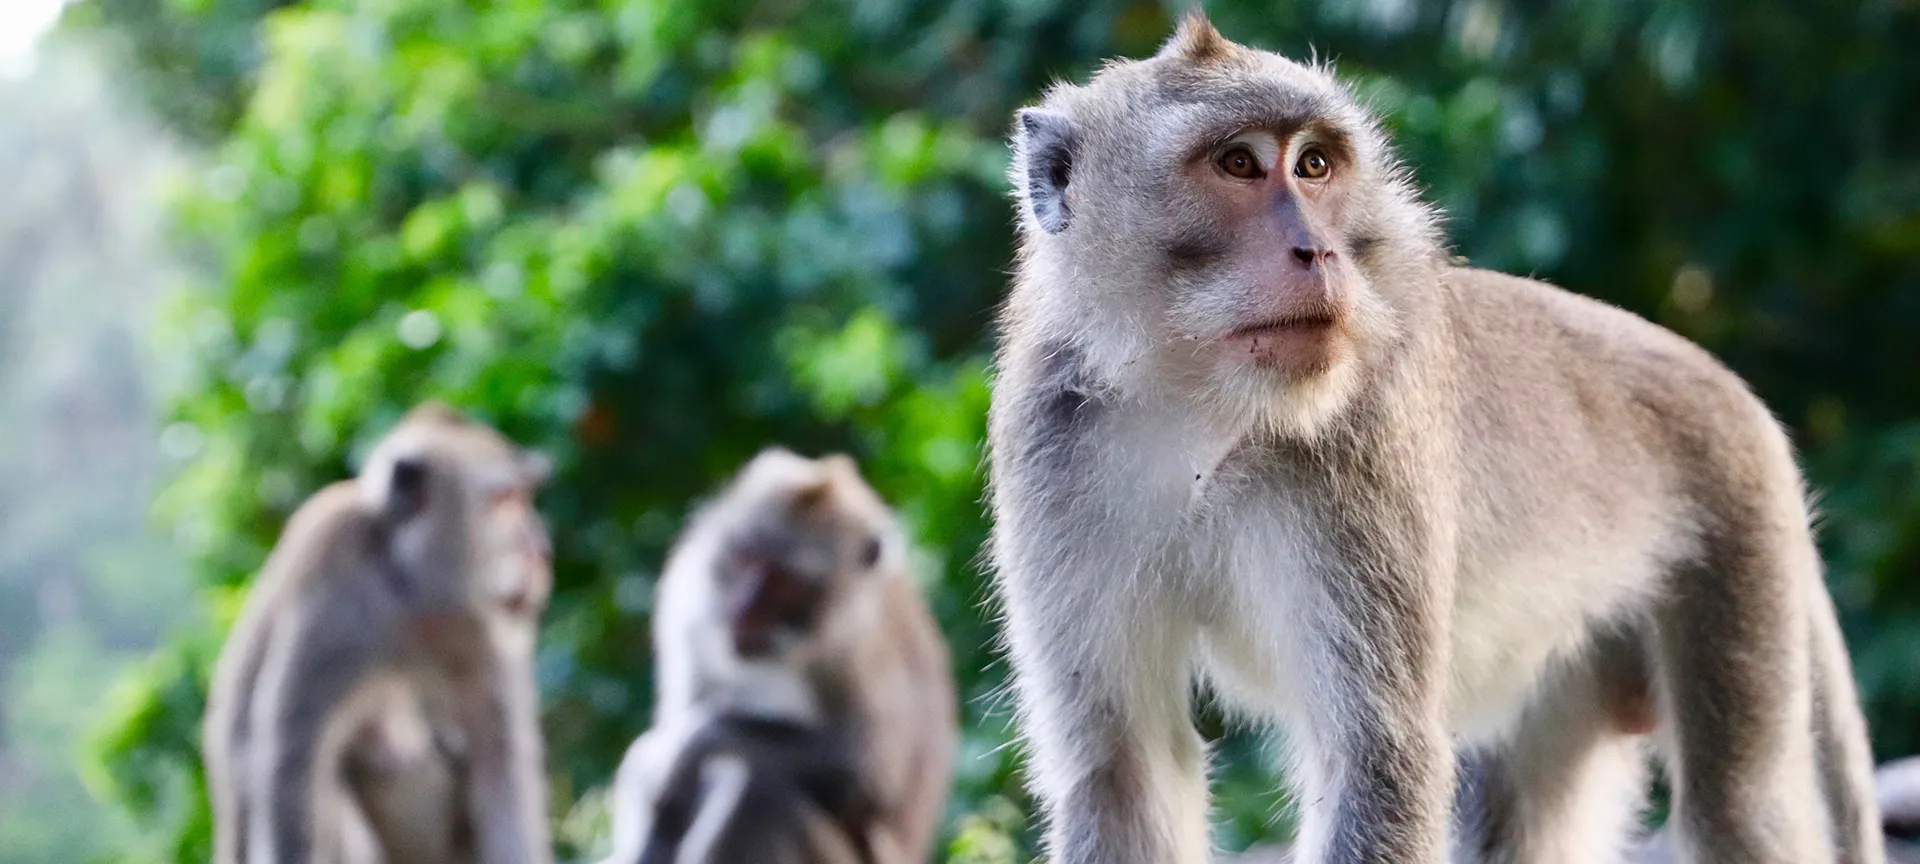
x: 1287, y: 324
x: 1292, y: 341
x: 771, y: 606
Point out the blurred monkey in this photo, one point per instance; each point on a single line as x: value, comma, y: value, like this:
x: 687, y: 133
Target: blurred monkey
x: 375, y: 701
x: 797, y: 657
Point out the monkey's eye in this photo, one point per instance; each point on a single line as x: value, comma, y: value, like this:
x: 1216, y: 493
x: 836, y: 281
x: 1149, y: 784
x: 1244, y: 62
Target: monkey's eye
x: 1239, y: 161
x: 1312, y: 165
x: 870, y: 552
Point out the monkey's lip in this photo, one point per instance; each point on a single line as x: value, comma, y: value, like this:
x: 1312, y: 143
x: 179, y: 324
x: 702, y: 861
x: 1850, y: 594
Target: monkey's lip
x: 1314, y: 321
x: 1291, y: 342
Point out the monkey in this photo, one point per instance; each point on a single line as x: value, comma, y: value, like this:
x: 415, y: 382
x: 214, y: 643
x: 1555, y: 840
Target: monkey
x: 1254, y: 430
x: 375, y: 701
x: 787, y: 600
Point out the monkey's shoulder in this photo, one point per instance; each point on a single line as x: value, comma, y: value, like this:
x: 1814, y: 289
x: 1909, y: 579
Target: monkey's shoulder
x: 327, y: 530
x: 903, y: 677
x: 1498, y: 300
x: 1046, y: 390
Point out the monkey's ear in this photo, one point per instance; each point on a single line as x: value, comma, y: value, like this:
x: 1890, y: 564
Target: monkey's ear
x: 406, y: 493
x: 1046, y: 142
x: 1196, y: 39
x: 812, y: 496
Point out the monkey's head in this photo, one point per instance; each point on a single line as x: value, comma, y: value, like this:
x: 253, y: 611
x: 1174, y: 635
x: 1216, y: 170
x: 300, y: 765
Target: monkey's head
x: 1219, y: 221
x: 456, y: 501
x: 786, y: 551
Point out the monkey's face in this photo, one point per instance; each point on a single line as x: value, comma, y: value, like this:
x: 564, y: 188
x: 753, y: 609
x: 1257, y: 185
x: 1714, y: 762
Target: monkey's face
x: 1262, y: 277
x: 805, y: 536
x: 458, y: 500
x: 1214, y: 216
x: 522, y: 557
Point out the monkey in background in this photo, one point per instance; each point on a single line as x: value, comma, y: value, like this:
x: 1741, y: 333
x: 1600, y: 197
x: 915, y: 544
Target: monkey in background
x: 375, y: 701
x: 1253, y: 427
x: 794, y: 654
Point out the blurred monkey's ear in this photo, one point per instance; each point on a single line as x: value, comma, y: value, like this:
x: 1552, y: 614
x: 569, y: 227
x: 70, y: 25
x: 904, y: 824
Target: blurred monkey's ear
x: 402, y: 493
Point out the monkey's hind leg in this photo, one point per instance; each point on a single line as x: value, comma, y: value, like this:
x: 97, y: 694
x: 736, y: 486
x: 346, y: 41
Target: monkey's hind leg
x: 1732, y: 670
x: 1843, y: 751
x: 1569, y: 784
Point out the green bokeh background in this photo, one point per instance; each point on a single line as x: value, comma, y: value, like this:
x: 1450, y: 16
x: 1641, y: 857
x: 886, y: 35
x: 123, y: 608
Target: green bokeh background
x: 651, y: 237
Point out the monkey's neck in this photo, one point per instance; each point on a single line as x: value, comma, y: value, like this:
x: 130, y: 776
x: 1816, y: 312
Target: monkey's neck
x: 769, y: 691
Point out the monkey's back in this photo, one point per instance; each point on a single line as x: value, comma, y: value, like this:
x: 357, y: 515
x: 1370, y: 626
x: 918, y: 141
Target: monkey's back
x: 1563, y: 392
x: 1637, y: 439
x: 914, y: 711
x: 1604, y: 460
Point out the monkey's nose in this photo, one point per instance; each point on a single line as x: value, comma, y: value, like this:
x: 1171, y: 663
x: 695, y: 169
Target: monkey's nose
x: 1307, y: 257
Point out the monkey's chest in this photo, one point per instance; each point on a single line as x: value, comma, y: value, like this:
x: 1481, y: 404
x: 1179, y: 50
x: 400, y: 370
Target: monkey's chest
x: 1267, y: 583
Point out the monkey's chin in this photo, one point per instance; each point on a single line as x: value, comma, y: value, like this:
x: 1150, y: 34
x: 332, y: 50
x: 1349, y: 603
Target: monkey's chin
x: 1293, y: 390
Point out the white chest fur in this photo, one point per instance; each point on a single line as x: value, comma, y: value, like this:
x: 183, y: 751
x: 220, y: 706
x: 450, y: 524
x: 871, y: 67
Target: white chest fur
x: 1243, y: 555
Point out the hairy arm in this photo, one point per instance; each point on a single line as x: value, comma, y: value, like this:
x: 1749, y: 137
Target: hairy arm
x: 226, y: 735
x: 1098, y: 645
x: 312, y: 667
x: 506, y: 767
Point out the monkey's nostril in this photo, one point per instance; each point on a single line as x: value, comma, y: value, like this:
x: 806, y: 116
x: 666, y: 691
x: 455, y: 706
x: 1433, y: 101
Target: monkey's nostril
x: 1305, y: 255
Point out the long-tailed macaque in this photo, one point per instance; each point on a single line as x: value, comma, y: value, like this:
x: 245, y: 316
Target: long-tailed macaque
x: 375, y: 701
x: 1254, y: 428
x: 795, y: 655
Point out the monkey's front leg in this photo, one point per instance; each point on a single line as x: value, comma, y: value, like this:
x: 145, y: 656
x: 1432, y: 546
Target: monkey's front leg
x: 1378, y: 766
x: 309, y: 676
x: 1101, y: 671
x: 506, y: 766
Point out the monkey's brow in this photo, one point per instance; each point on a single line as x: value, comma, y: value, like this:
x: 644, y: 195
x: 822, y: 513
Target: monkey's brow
x: 1221, y: 121
x: 1216, y: 132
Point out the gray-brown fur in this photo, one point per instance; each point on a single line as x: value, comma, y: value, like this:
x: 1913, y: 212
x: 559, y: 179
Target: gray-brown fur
x: 721, y: 789
x: 1253, y: 428
x: 867, y: 665
x: 375, y: 700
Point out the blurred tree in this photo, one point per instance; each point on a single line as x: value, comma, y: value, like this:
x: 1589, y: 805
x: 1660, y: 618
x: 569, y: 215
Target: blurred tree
x: 86, y: 584
x: 194, y: 58
x: 653, y: 236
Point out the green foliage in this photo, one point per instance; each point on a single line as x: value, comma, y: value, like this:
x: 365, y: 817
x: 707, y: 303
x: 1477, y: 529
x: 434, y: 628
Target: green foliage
x: 49, y: 691
x: 651, y: 237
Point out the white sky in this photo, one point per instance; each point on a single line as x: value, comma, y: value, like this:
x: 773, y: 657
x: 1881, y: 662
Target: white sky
x: 22, y: 22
